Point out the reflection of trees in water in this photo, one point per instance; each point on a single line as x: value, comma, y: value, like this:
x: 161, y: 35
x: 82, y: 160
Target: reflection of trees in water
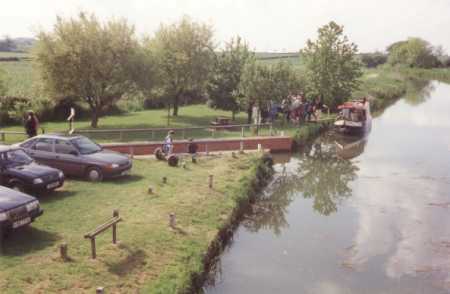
x: 269, y: 212
x: 418, y: 91
x: 324, y: 177
x: 320, y: 175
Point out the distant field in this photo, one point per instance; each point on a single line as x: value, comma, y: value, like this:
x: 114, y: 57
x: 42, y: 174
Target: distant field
x: 14, y: 54
x: 20, y: 78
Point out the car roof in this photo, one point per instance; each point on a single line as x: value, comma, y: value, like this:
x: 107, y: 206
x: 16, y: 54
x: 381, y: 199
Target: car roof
x: 56, y: 136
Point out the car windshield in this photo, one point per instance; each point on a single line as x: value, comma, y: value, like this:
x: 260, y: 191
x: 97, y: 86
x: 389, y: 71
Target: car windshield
x: 85, y: 146
x: 18, y: 157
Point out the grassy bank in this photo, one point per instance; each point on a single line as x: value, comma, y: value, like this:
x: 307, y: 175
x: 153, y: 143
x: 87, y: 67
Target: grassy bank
x: 150, y: 255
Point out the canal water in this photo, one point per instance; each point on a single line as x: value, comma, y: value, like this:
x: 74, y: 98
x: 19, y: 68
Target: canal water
x: 368, y: 215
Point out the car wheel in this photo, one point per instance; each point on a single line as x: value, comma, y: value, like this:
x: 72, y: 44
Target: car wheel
x: 18, y: 186
x: 94, y: 174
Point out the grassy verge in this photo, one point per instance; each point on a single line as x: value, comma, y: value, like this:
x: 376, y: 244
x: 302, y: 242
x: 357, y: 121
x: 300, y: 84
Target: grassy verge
x: 150, y: 255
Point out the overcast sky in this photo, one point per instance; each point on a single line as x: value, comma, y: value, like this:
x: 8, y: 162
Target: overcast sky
x: 268, y: 25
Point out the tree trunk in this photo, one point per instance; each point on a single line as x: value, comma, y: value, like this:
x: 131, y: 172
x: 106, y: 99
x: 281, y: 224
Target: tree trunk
x: 249, y: 114
x: 176, y: 101
x: 94, y: 118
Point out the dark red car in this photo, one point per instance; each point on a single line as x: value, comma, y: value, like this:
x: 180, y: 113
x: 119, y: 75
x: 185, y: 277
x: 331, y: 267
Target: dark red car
x: 77, y: 156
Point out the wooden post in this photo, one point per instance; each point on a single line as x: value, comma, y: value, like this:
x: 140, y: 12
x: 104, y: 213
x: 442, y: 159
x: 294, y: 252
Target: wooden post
x: 241, y: 147
x: 121, y: 136
x: 100, y: 290
x: 93, y: 251
x: 206, y: 149
x: 172, y: 220
x: 153, y: 134
x: 164, y: 179
x: 63, y: 251
x: 242, y: 132
x: 210, y: 181
x: 114, y: 228
x: 184, y: 133
x: 271, y: 130
x: 150, y: 190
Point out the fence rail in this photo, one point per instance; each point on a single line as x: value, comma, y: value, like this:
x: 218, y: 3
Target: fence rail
x: 146, y: 134
x: 158, y: 134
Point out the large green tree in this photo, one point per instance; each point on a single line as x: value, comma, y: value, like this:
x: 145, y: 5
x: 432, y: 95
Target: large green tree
x: 332, y: 67
x: 85, y: 58
x: 223, y: 88
x: 413, y: 52
x: 185, y: 54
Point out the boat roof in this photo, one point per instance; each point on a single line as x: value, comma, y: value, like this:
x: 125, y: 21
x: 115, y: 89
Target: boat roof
x: 355, y: 104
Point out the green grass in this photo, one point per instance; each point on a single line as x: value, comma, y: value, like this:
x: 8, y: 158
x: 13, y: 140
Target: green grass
x: 149, y: 255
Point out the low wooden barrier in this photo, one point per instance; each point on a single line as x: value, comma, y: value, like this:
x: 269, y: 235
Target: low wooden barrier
x: 100, y: 229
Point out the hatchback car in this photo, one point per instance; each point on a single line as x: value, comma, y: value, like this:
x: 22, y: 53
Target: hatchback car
x: 19, y: 172
x: 16, y: 210
x: 77, y: 156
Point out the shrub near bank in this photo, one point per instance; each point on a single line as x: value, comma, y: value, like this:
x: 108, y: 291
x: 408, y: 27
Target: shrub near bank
x: 150, y: 255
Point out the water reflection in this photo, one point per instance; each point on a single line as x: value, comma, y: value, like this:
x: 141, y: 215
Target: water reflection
x: 325, y: 177
x: 418, y: 91
x: 321, y: 172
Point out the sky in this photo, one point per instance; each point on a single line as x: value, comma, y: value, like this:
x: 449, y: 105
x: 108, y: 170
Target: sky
x: 267, y: 25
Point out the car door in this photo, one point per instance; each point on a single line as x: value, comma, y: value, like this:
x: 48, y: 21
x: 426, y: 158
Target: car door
x: 67, y: 158
x: 42, y: 151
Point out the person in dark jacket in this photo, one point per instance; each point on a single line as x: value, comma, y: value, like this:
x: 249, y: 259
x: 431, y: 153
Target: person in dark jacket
x: 31, y: 124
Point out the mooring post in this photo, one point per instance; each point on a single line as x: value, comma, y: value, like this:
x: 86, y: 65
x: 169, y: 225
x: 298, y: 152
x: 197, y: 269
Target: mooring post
x: 172, y: 220
x: 63, y: 251
x: 93, y: 251
x: 210, y: 181
x: 114, y: 229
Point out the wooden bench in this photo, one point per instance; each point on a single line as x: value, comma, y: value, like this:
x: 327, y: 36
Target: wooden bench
x: 100, y: 229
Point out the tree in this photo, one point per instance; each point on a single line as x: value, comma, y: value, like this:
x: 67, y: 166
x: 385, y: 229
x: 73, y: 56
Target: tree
x: 375, y: 59
x: 185, y: 53
x: 261, y: 84
x: 7, y: 44
x: 223, y: 88
x: 87, y: 59
x: 332, y: 67
x: 414, y: 52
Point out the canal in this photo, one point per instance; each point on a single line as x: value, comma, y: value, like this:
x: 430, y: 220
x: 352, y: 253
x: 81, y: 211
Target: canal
x: 354, y: 216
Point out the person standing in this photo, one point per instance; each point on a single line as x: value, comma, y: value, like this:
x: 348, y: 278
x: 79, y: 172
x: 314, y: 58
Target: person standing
x: 31, y: 124
x: 168, y: 143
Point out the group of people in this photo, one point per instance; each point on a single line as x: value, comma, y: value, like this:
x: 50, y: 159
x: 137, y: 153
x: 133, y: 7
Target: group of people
x: 297, y: 108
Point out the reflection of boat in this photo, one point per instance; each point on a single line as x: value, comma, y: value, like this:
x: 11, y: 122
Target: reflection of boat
x: 354, y: 118
x: 350, y: 149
